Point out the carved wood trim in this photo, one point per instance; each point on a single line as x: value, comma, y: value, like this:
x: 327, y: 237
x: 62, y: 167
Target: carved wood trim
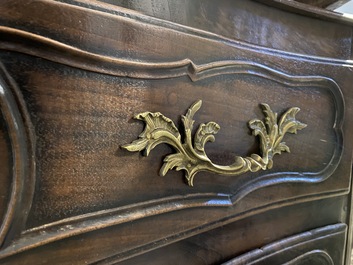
x: 288, y: 247
x: 17, y: 40
x: 77, y: 225
x: 22, y: 141
x: 29, y: 43
x: 314, y: 257
x: 199, y: 72
x: 195, y: 72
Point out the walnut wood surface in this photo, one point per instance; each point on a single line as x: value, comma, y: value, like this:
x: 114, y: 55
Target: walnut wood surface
x: 318, y: 3
x: 75, y: 72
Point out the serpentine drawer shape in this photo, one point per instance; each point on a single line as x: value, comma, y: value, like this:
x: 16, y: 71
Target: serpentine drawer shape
x: 191, y: 156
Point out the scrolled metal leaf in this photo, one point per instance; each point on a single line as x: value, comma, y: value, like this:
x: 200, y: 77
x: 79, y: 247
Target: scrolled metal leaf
x: 188, y: 118
x: 288, y: 123
x: 173, y: 161
x: 205, y: 133
x: 150, y: 137
x: 190, y: 155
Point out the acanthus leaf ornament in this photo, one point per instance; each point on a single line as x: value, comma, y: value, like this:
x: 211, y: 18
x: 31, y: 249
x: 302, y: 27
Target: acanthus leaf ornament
x: 190, y: 153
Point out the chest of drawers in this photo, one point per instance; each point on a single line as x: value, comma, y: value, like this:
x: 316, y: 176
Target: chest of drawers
x: 76, y: 184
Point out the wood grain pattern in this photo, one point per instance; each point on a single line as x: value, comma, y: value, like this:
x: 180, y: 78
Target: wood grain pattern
x: 83, y: 140
x: 236, y: 238
x: 18, y: 153
x: 83, y: 69
x: 318, y: 3
x: 244, y: 21
x: 312, y: 257
x: 302, y: 243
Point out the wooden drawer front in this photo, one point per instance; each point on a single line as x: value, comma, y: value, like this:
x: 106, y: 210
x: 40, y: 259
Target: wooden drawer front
x: 319, y: 246
x: 68, y: 106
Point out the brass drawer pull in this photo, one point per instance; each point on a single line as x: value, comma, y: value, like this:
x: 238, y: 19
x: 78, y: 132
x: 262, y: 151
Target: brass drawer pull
x: 190, y: 155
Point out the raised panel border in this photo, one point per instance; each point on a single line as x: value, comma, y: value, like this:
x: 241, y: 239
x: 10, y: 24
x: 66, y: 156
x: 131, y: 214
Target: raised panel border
x: 16, y: 40
x: 22, y: 142
x: 98, y: 220
x: 308, y: 243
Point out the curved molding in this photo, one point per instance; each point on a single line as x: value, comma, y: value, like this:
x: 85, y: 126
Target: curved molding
x: 32, y: 44
x: 307, y: 242
x: 17, y: 40
x: 327, y: 84
x: 22, y: 142
x: 77, y: 225
x: 318, y: 257
x: 309, y: 10
x: 315, y: 257
x: 297, y: 7
x: 35, y: 45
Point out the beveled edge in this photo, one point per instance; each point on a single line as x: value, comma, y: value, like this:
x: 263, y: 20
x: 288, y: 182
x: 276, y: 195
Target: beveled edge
x: 77, y: 225
x: 28, y: 43
x: 22, y: 139
x: 290, y: 243
x: 89, y: 222
x: 309, y: 10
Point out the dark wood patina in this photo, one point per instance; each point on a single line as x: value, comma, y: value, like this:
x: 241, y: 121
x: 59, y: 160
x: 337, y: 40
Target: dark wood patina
x: 74, y: 73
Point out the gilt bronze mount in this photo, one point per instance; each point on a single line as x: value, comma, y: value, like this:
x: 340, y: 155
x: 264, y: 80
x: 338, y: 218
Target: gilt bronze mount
x: 190, y: 153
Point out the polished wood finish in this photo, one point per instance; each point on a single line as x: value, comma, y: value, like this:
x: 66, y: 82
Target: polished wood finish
x: 318, y: 3
x: 75, y: 72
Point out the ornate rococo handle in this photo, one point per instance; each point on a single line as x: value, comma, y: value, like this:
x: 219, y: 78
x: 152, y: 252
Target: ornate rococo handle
x: 191, y: 157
